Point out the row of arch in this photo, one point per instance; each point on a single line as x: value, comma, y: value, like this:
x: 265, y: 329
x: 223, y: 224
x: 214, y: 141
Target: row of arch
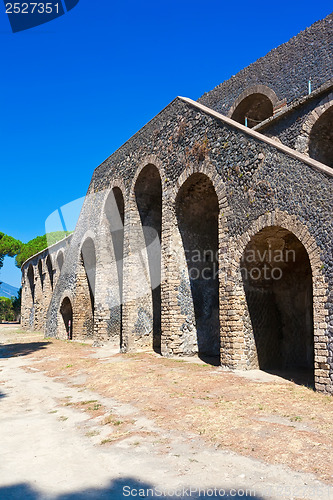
x: 43, y: 276
x: 257, y: 104
x: 38, y: 287
x: 279, y: 323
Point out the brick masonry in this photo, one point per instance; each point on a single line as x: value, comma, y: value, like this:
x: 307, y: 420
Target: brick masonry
x: 200, y: 181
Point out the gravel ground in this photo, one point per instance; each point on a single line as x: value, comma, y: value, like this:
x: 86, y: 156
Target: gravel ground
x: 50, y: 450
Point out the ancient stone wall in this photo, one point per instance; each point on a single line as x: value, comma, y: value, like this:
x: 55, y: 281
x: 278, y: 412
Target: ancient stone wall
x: 202, y: 236
x: 294, y: 124
x: 40, y: 274
x: 253, y: 185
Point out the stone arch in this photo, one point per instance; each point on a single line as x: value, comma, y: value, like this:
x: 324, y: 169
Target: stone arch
x: 110, y: 261
x: 31, y: 282
x: 255, y: 103
x: 84, y: 302
x: 235, y: 346
x: 277, y: 281
x: 30, y: 296
x: 316, y: 137
x: 40, y: 273
x: 147, y: 202
x: 148, y: 160
x: 65, y: 318
x: 197, y: 213
x: 49, y: 268
x: 179, y: 336
x: 60, y: 260
x: 39, y: 296
x: 320, y: 145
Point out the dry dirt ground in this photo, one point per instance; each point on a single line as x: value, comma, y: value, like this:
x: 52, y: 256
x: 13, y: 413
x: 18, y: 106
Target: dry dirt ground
x: 78, y: 422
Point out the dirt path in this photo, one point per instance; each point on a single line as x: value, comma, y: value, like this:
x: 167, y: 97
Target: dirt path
x: 64, y: 441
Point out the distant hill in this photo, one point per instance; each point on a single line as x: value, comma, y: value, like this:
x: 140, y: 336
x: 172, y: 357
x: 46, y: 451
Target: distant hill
x: 8, y: 290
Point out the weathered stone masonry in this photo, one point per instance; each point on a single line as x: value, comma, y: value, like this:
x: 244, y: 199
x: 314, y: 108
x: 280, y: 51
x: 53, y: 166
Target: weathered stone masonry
x: 39, y: 277
x: 203, y: 185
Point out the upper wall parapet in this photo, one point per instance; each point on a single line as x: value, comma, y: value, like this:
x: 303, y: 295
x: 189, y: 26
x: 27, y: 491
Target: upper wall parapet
x: 285, y: 70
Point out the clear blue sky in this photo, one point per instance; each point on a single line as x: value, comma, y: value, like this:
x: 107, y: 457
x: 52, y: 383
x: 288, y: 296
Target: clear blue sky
x: 75, y: 89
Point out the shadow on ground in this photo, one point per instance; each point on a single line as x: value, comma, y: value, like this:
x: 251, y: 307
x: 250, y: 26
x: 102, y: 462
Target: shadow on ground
x: 300, y: 376
x: 123, y: 488
x: 210, y: 360
x: 15, y: 350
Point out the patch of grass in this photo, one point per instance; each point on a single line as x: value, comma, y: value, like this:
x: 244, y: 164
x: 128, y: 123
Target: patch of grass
x: 105, y: 441
x: 92, y: 433
x: 109, y: 419
x: 295, y: 419
x: 115, y: 437
x: 117, y: 422
x: 69, y: 366
x: 95, y: 407
x: 63, y: 418
x: 53, y: 411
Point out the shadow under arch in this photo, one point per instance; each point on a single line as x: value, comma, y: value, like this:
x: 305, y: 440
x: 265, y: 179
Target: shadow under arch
x: 66, y: 312
x: 277, y: 281
x: 253, y: 109
x: 84, y: 301
x: 148, y: 196
x: 40, y: 273
x: 321, y: 138
x: 197, y: 211
x: 49, y: 270
x: 31, y: 281
x: 60, y: 260
x: 115, y: 213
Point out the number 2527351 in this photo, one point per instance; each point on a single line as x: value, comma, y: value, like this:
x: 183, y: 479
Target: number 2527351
x: 32, y: 8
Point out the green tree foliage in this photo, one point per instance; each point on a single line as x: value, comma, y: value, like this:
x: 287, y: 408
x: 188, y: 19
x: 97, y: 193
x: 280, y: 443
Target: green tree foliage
x: 38, y: 244
x: 23, y: 251
x: 6, y: 309
x: 8, y: 246
x: 16, y: 303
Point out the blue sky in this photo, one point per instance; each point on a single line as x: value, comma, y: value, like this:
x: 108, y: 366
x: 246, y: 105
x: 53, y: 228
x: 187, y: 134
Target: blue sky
x: 75, y: 89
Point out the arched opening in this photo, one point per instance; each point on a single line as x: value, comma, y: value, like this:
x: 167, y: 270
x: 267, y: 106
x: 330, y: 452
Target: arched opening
x: 114, y: 211
x: 60, y: 260
x: 49, y: 270
x: 66, y: 312
x: 148, y: 195
x: 84, y: 299
x: 40, y: 273
x: 277, y: 281
x: 88, y: 256
x: 321, y: 138
x: 31, y: 281
x: 253, y: 109
x: 197, y: 215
